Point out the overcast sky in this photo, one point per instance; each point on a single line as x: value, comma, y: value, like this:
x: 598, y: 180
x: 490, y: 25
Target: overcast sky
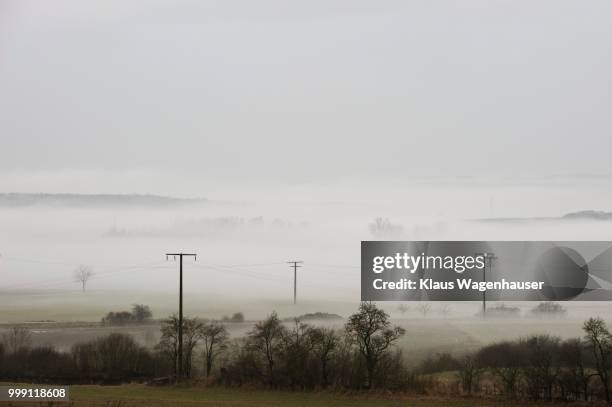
x: 280, y: 91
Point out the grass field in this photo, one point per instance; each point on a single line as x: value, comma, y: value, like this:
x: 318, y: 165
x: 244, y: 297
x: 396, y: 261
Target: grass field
x: 141, y: 395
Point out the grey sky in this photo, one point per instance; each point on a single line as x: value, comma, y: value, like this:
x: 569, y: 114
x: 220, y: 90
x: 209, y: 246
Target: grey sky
x: 276, y: 90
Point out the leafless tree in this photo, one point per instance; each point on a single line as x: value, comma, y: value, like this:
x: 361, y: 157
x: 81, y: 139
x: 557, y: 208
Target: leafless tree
x: 576, y: 376
x: 540, y: 367
x: 16, y: 338
x: 403, y: 308
x: 444, y: 310
x: 469, y: 374
x: 382, y: 227
x: 503, y: 359
x: 371, y: 330
x: 325, y: 341
x: 214, y: 336
x: 82, y: 275
x: 266, y: 338
x: 141, y: 313
x: 168, y: 344
x: 599, y: 341
x: 297, y: 347
x: 424, y: 308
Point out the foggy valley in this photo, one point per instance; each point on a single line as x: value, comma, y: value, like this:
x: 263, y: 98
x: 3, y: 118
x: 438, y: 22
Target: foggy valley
x: 257, y: 134
x: 243, y: 246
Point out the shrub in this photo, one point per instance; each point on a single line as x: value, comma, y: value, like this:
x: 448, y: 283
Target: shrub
x: 440, y: 362
x: 549, y: 309
x: 113, y: 358
x: 40, y: 364
x: 140, y: 313
x: 118, y: 318
x: 237, y: 317
x: 502, y: 311
x: 16, y: 338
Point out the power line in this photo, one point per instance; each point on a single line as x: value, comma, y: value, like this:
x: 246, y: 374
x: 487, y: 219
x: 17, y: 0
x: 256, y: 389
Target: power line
x: 248, y: 265
x: 234, y: 269
x: 358, y: 267
x: 114, y: 270
x: 39, y: 261
x: 244, y: 273
x: 264, y: 277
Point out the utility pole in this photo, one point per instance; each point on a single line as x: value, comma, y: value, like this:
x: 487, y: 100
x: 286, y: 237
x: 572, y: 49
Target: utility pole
x: 295, y: 265
x: 180, y: 327
x: 488, y: 258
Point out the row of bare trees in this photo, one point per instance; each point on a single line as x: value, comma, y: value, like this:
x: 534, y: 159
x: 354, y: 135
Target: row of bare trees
x: 112, y: 358
x: 305, y: 356
x: 211, y: 336
x: 543, y: 367
x: 297, y: 356
x: 361, y: 355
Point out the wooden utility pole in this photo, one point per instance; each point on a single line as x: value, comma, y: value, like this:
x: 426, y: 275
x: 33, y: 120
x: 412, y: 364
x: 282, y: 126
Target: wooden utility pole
x: 180, y: 327
x: 295, y: 265
x: 488, y: 258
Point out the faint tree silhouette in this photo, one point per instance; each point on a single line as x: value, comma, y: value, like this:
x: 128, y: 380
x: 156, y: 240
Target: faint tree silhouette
x: 82, y: 275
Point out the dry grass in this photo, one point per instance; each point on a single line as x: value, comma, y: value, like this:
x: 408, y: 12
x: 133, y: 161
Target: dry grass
x: 141, y: 396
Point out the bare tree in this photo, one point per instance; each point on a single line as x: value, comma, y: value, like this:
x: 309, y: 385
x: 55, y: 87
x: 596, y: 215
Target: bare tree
x: 168, y: 344
x: 444, y: 310
x: 16, y: 338
x: 576, y: 376
x: 424, y: 308
x: 382, y: 227
x: 599, y: 341
x: 370, y: 329
x: 141, y: 313
x: 504, y: 360
x: 469, y: 374
x: 214, y: 336
x: 325, y: 342
x: 266, y: 337
x: 541, y: 366
x: 297, y: 346
x: 403, y: 308
x: 82, y: 275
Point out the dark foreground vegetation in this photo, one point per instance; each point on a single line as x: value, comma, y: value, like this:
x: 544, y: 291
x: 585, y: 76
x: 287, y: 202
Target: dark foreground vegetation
x: 362, y: 356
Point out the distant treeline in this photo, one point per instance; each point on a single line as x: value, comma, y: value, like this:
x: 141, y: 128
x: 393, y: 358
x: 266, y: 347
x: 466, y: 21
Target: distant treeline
x: 363, y: 355
x: 114, y: 358
x: 538, y: 367
x: 315, y: 316
x: 547, y: 309
x: 92, y: 200
x: 212, y: 227
x: 140, y: 314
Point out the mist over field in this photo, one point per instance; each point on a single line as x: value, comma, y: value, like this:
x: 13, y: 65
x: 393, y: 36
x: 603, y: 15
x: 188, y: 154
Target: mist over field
x: 243, y: 245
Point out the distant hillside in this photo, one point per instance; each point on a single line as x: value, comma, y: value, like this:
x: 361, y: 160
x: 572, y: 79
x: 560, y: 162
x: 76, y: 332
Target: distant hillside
x: 593, y: 215
x: 580, y: 215
x: 16, y: 200
x: 316, y: 316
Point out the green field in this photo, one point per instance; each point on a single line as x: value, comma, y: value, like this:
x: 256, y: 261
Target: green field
x: 142, y: 395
